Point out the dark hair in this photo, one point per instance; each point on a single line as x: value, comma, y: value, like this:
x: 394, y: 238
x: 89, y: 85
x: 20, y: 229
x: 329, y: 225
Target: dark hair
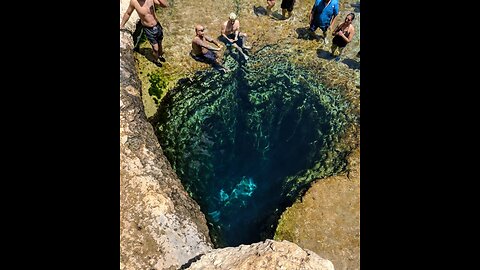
x: 351, y: 14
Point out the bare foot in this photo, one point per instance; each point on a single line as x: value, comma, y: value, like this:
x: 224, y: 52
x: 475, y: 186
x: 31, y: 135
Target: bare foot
x: 224, y: 69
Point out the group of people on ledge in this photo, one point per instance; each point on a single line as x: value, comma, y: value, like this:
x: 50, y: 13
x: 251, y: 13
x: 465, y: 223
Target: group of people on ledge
x: 322, y: 16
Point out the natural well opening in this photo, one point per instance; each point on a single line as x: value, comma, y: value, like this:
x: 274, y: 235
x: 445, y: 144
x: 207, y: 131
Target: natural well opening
x: 246, y: 143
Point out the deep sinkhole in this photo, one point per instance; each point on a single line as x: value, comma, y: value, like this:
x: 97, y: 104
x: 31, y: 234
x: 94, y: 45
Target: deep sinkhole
x: 245, y: 144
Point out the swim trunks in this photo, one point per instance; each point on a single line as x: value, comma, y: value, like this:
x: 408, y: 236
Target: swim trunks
x: 154, y: 34
x: 208, y: 58
x: 288, y: 5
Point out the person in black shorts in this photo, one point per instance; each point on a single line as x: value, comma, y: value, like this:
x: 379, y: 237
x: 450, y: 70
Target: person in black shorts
x: 343, y: 34
x: 287, y: 8
x: 154, y: 35
x: 231, y: 35
x: 151, y: 26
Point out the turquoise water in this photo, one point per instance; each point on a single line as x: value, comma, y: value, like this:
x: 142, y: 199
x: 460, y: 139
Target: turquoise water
x: 246, y: 143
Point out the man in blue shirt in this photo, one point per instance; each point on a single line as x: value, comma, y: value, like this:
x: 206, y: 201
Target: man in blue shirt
x: 323, y: 15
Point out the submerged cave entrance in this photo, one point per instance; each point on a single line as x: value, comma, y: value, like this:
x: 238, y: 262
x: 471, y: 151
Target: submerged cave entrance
x: 246, y: 143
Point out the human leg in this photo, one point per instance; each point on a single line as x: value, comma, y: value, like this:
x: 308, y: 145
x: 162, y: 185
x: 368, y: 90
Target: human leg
x: 160, y: 44
x: 211, y: 58
x: 240, y: 51
x: 311, y: 31
x: 334, y: 48
x: 290, y: 10
x: 155, y: 49
x: 325, y: 39
x: 270, y: 4
x: 243, y: 41
x: 219, y: 66
x: 287, y: 7
x: 155, y: 37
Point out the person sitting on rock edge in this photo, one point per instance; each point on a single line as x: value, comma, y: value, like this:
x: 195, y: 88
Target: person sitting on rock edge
x: 232, y: 36
x: 202, y: 51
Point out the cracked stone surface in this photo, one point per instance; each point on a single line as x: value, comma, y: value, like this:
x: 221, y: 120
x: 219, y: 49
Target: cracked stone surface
x: 265, y: 255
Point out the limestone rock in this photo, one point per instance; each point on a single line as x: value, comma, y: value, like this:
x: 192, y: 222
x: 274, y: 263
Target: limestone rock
x: 161, y: 227
x: 327, y: 219
x: 263, y: 255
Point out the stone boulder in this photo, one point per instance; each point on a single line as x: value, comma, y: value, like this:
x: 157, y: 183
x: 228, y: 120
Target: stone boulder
x: 263, y: 255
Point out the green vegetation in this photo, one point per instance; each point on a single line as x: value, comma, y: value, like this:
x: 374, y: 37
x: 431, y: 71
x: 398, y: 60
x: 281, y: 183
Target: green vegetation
x: 158, y: 86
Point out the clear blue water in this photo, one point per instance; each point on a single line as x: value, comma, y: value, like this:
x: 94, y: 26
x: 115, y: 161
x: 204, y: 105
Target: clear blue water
x: 245, y: 144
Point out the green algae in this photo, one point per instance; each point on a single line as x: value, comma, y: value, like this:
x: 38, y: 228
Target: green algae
x: 158, y: 86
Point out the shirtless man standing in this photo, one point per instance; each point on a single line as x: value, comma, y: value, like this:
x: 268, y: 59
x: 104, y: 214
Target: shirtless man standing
x: 202, y: 51
x: 153, y: 30
x: 231, y: 34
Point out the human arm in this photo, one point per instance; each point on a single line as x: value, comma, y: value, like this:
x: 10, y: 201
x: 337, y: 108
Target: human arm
x: 209, y: 39
x: 334, y: 32
x: 312, y: 13
x: 127, y: 15
x: 335, y: 13
x: 162, y: 3
x: 203, y: 44
x: 236, y: 28
x: 332, y: 21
